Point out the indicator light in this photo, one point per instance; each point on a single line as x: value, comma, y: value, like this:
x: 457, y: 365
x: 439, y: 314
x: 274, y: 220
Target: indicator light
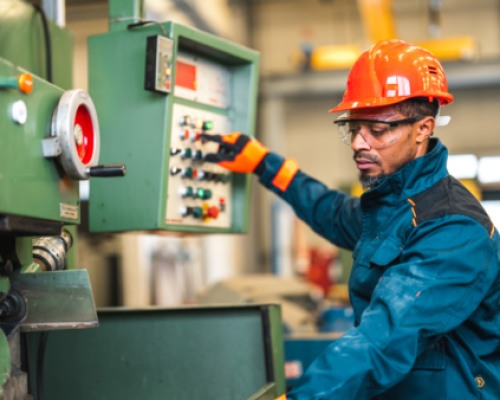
x: 167, y: 84
x: 168, y: 72
x: 200, y: 193
x: 25, y: 83
x: 207, y: 195
x: 186, y: 153
x: 197, y: 212
x: 222, y: 200
x: 198, y: 123
x: 207, y: 125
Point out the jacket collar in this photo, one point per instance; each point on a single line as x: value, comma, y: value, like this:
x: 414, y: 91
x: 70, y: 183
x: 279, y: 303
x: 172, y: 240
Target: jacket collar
x: 415, y: 177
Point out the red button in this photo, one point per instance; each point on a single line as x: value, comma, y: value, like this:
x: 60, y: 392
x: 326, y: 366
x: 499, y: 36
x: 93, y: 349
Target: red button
x: 186, y: 133
x: 213, y: 212
x: 222, y: 201
x: 167, y: 84
x: 195, y: 173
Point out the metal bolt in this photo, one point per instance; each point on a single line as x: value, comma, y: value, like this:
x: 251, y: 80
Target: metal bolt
x: 6, y: 268
x: 78, y: 132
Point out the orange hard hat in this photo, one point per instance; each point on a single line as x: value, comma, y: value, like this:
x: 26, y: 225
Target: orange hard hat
x: 392, y: 71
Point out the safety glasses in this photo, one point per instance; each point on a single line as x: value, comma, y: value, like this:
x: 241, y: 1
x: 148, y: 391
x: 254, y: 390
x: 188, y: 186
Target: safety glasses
x: 377, y: 133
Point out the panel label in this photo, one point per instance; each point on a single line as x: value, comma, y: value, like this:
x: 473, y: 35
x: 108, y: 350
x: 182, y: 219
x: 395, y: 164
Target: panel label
x: 68, y: 211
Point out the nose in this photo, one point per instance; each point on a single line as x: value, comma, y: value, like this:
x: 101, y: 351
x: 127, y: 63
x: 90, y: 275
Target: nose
x: 359, y: 143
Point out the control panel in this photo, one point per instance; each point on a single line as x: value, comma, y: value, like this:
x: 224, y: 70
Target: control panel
x: 198, y: 193
x: 156, y: 132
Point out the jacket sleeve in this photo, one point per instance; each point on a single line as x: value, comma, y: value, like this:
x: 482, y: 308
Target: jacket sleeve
x: 447, y: 267
x: 332, y: 214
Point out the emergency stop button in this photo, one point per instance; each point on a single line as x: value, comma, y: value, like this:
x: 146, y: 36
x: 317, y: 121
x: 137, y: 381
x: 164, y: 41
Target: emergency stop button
x: 213, y: 212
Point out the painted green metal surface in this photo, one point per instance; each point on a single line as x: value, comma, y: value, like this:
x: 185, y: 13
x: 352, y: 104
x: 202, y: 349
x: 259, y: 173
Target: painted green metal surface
x: 22, y: 42
x: 183, y: 354
x: 135, y: 126
x: 122, y: 13
x: 4, y: 360
x: 31, y: 185
x: 56, y: 300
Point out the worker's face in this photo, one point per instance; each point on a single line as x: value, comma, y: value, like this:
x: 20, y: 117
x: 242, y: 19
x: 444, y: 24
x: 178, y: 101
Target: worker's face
x: 377, y: 163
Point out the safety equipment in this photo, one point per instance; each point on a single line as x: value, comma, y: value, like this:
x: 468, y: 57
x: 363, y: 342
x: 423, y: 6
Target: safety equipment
x: 377, y: 130
x: 237, y: 152
x: 392, y: 71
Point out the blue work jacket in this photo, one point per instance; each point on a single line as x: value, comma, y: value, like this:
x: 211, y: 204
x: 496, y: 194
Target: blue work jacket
x: 425, y: 286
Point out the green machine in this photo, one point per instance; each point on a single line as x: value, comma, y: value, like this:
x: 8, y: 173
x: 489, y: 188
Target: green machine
x: 49, y: 141
x: 156, y: 87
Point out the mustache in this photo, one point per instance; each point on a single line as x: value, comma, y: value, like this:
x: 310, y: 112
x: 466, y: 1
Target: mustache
x: 365, y: 156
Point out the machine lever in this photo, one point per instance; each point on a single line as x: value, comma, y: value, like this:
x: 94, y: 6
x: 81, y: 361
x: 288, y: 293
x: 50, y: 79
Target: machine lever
x: 105, y: 171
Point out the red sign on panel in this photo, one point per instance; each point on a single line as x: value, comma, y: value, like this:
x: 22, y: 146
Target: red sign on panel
x: 185, y: 76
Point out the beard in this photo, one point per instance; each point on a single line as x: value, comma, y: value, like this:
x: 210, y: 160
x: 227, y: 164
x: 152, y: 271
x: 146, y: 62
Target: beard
x: 371, y: 182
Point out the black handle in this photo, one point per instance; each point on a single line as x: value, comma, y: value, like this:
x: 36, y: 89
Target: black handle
x: 106, y: 171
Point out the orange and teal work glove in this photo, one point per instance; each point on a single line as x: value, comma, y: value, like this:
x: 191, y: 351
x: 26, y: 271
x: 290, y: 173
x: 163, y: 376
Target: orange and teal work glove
x: 237, y: 152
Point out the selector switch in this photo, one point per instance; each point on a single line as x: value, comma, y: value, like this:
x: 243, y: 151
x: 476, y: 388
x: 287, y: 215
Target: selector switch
x: 186, y: 191
x: 185, y: 120
x: 194, y: 136
x: 184, y: 134
x: 198, y: 155
x: 186, y: 153
x: 185, y: 211
x: 187, y: 173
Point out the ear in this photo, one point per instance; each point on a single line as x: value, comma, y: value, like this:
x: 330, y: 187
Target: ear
x: 424, y: 128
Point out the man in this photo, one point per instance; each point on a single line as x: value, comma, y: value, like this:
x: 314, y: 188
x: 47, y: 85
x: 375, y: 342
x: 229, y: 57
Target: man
x: 425, y: 283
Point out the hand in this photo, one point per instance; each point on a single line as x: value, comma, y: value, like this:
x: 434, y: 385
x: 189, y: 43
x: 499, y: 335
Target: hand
x: 237, y: 152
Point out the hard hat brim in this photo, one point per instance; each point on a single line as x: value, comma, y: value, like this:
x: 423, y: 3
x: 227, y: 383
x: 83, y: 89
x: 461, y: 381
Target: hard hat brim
x: 445, y: 98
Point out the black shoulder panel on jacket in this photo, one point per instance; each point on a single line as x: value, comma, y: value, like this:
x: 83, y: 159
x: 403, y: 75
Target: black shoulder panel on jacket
x: 449, y: 196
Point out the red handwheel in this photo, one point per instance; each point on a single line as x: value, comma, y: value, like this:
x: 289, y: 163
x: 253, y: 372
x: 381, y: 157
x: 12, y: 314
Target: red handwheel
x: 75, y: 124
x: 84, y: 134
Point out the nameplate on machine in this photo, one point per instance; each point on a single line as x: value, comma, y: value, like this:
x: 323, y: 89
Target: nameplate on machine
x: 68, y: 211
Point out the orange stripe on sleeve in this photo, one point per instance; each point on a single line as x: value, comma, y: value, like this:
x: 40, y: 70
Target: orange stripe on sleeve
x: 282, y: 397
x: 414, y: 222
x: 411, y: 202
x: 413, y: 211
x: 492, y: 231
x: 286, y: 174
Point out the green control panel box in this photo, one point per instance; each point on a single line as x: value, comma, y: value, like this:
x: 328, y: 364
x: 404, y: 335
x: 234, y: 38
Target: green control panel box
x: 155, y: 92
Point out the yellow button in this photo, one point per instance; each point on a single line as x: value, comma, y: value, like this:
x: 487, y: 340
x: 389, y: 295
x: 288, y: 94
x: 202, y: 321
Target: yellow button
x: 168, y: 72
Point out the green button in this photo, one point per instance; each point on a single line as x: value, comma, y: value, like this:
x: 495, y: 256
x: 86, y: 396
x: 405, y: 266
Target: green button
x: 188, y: 153
x: 189, y: 191
x: 200, y: 193
x: 208, y: 194
x: 207, y: 125
x: 197, y: 212
x: 198, y: 155
x: 189, y: 172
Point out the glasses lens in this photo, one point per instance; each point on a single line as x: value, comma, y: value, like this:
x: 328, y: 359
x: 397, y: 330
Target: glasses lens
x: 377, y: 135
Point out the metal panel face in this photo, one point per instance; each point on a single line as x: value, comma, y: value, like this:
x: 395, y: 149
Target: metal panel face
x: 209, y: 185
x: 183, y: 354
x: 31, y: 185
